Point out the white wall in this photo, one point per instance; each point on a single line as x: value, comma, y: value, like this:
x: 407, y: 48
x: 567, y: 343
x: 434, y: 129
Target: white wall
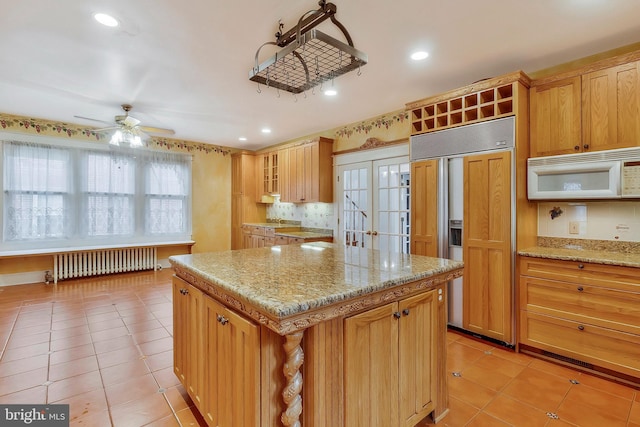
x: 602, y: 220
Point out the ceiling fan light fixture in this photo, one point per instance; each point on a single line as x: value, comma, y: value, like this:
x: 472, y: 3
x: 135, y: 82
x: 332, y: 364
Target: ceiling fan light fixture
x: 126, y: 137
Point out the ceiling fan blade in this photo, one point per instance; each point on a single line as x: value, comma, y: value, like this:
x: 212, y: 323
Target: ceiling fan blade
x: 150, y: 129
x: 93, y: 120
x: 107, y: 128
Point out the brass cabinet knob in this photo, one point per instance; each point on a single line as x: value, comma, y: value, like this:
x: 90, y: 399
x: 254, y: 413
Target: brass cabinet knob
x: 585, y: 146
x: 577, y: 148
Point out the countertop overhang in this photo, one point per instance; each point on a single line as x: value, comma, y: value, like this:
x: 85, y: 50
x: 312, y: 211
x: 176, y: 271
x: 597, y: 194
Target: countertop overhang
x: 291, y: 287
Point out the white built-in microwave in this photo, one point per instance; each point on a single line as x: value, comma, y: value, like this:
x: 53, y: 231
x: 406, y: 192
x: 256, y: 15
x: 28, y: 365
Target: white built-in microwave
x: 611, y: 174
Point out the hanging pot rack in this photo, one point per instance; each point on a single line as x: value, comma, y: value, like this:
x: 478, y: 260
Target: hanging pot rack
x: 308, y: 56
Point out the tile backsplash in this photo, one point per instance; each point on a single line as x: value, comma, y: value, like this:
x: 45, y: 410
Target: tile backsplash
x: 618, y: 221
x: 314, y: 215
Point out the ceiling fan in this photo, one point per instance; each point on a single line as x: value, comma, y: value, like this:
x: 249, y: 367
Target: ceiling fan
x: 128, y: 129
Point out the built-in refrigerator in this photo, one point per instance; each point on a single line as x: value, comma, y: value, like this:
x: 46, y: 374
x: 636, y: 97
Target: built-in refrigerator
x: 450, y: 147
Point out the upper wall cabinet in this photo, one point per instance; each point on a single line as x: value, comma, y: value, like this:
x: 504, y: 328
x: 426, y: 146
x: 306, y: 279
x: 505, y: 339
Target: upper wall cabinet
x: 611, y: 107
x: 555, y: 118
x: 591, y: 109
x: 484, y: 100
x: 309, y: 173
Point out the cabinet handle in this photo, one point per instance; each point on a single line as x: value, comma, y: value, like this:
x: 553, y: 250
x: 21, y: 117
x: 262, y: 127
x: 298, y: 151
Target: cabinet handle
x: 580, y: 266
x: 219, y: 317
x: 577, y: 148
x: 580, y: 327
x: 580, y: 289
x: 585, y: 146
x: 224, y: 321
x: 396, y: 314
x: 405, y: 311
x: 184, y: 291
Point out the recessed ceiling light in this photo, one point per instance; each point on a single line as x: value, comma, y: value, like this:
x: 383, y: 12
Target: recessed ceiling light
x: 242, y: 138
x: 420, y: 55
x: 266, y: 130
x: 106, y: 20
x: 331, y: 92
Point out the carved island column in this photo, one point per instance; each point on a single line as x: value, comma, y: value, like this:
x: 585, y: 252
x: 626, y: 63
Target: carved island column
x: 293, y: 388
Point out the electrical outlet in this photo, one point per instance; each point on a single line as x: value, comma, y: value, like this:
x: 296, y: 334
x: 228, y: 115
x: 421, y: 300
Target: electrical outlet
x: 574, y: 227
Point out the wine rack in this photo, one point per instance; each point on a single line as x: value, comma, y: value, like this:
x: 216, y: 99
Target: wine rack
x: 465, y: 106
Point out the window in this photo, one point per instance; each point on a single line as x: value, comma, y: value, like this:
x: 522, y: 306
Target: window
x: 37, y: 192
x: 60, y: 196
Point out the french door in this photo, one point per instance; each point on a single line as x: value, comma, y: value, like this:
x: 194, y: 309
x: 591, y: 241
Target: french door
x: 373, y: 208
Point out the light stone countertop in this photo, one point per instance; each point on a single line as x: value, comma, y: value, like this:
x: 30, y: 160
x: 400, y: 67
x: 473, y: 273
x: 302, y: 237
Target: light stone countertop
x: 584, y: 255
x: 287, y: 280
x: 303, y: 234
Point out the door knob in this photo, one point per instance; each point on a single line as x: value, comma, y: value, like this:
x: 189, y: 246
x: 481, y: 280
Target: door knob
x: 368, y: 233
x: 374, y: 233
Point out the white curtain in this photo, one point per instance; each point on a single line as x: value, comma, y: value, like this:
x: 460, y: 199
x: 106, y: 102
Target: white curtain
x: 167, y: 186
x: 59, y: 196
x: 108, y: 190
x: 37, y: 192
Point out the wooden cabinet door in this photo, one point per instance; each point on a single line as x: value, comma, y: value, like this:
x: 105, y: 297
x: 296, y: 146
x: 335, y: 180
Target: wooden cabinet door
x: 233, y: 368
x: 283, y: 175
x: 555, y: 118
x: 180, y: 328
x: 417, y: 357
x: 195, y: 359
x: 611, y: 107
x: 188, y: 338
x: 487, y: 245
x: 424, y: 208
x: 371, y: 368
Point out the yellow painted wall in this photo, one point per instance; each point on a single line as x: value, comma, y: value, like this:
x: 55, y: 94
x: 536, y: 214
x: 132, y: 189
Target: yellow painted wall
x: 211, y: 188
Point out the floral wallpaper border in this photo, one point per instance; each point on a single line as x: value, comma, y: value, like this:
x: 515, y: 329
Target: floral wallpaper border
x: 366, y: 126
x: 52, y: 128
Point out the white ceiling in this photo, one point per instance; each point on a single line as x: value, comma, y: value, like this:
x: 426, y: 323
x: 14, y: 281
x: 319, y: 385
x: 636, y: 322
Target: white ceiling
x: 184, y: 65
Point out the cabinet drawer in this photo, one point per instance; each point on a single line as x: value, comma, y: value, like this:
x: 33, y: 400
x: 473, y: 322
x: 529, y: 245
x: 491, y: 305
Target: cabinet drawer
x: 605, y: 307
x: 599, y: 346
x: 269, y: 241
x: 269, y: 231
x: 253, y: 229
x: 610, y: 276
x: 282, y: 240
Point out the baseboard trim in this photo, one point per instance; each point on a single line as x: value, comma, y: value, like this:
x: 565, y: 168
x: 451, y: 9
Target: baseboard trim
x: 22, y: 278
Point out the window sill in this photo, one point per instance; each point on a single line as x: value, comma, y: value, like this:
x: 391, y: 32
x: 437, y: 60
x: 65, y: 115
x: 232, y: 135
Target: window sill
x: 50, y: 251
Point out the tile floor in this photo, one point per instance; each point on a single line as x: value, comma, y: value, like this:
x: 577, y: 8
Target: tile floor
x: 103, y: 345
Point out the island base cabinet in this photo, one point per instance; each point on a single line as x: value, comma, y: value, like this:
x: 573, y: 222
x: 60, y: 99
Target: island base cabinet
x: 187, y: 337
x: 390, y: 363
x: 232, y: 374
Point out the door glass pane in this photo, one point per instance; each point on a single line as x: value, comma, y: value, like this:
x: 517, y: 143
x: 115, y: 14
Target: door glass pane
x: 394, y: 176
x: 383, y: 176
x: 394, y: 199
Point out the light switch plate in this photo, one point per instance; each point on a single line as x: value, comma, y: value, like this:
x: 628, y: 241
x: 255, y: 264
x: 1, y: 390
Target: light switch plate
x: 574, y: 227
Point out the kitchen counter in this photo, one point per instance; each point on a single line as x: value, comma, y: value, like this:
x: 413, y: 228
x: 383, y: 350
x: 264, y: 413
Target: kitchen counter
x: 309, y: 290
x: 607, y: 252
x: 293, y: 279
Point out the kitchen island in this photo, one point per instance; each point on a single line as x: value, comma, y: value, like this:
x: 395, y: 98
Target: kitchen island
x: 358, y: 335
